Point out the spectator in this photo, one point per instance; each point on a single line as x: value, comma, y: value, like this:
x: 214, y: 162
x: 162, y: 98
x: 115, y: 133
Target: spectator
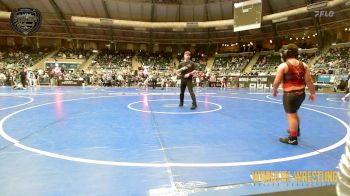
x: 2, y: 79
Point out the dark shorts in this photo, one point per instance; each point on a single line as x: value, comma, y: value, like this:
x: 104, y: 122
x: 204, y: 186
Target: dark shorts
x: 292, y: 100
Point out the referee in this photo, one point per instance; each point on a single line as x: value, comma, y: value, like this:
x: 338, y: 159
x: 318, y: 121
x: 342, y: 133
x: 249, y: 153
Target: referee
x: 187, y: 69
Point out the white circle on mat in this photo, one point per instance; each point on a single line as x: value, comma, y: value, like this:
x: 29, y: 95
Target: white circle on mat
x: 22, y: 104
x: 219, y: 107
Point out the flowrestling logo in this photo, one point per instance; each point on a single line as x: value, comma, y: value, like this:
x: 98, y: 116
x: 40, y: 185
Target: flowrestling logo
x: 324, y: 13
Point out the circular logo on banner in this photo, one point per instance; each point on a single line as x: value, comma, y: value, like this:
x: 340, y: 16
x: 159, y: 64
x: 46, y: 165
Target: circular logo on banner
x: 25, y: 21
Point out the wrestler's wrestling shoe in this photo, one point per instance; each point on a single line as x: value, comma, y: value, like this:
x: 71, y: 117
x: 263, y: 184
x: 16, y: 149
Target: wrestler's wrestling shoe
x: 289, y: 140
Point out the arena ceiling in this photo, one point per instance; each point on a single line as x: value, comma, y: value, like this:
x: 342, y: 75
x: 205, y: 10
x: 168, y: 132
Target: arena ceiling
x: 57, y: 19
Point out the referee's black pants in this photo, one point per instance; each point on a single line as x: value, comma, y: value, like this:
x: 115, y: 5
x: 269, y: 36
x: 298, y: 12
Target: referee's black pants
x: 187, y: 83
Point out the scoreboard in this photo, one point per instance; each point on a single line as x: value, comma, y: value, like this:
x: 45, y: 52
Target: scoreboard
x: 247, y: 15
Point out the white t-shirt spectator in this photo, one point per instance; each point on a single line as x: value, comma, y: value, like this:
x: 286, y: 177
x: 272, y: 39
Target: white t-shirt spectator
x: 2, y: 77
x: 120, y: 78
x: 41, y: 72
